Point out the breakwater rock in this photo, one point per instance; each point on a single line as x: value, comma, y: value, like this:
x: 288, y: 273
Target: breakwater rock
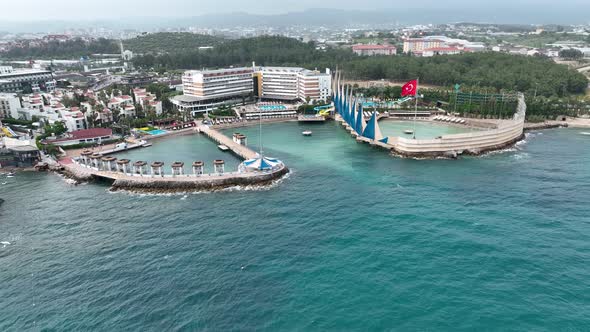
x: 544, y: 125
x: 211, y: 183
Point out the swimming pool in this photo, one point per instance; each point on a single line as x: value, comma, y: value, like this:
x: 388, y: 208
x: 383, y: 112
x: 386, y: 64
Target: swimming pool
x: 369, y: 104
x: 156, y: 132
x: 272, y: 107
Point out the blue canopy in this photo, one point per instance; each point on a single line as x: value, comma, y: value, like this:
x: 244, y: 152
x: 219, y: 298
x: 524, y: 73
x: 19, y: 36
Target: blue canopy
x: 352, y: 115
x: 359, y: 120
x: 369, y: 131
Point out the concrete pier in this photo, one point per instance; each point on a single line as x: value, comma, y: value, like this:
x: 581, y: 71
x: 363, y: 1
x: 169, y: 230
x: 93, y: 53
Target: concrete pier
x: 164, y: 183
x: 239, y: 150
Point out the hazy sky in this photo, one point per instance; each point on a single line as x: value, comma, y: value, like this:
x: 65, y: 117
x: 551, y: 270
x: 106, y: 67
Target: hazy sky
x: 28, y: 10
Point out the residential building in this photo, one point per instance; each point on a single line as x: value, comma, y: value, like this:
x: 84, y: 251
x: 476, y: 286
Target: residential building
x: 433, y: 45
x: 441, y: 51
x: 73, y: 119
x: 205, y: 90
x: 122, y: 104
x: 371, y: 50
x: 16, y: 80
x: 147, y: 100
x: 418, y: 45
x: 9, y: 105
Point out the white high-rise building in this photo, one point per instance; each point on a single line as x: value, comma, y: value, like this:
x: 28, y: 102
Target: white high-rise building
x: 204, y: 90
x: 293, y: 83
x: 9, y: 105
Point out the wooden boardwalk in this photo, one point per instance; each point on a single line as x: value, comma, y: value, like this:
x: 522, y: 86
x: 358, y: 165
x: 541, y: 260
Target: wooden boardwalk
x: 240, y: 150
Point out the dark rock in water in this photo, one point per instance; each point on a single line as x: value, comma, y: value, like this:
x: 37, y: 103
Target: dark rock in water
x: 42, y: 166
x: 450, y: 154
x: 1, y: 201
x: 474, y: 152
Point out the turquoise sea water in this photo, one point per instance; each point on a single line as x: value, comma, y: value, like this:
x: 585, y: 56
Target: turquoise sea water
x: 422, y: 130
x: 353, y: 240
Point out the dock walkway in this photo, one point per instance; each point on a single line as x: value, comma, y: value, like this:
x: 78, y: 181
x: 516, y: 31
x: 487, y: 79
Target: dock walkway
x: 240, y: 150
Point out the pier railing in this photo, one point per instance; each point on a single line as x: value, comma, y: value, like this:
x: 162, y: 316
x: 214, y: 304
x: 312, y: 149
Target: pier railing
x: 149, y: 175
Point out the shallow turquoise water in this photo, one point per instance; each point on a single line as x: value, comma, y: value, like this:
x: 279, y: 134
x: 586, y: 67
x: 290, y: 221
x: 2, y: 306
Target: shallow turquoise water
x: 422, y: 130
x: 353, y: 240
x: 188, y: 148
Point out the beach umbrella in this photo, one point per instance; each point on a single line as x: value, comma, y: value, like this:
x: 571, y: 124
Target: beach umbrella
x: 261, y: 164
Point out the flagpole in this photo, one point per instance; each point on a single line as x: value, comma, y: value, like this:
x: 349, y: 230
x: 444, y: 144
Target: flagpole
x: 260, y: 132
x: 416, y: 105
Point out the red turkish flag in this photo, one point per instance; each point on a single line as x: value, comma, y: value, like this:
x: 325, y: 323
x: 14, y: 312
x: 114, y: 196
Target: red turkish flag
x: 410, y: 88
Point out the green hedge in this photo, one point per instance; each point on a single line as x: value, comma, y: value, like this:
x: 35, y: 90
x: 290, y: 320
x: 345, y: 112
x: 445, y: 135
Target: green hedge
x: 89, y: 145
x: 18, y: 122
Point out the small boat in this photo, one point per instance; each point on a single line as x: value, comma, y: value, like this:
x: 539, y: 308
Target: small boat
x: 408, y: 131
x: 147, y: 145
x: 306, y: 133
x: 223, y: 147
x: 585, y: 133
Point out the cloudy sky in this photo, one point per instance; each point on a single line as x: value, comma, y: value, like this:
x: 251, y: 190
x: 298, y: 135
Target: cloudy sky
x: 27, y: 10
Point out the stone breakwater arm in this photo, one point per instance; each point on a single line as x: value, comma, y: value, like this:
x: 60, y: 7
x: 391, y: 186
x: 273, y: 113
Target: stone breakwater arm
x: 207, y: 183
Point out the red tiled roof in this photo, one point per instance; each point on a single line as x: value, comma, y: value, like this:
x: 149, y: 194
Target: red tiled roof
x: 90, y: 133
x: 373, y: 47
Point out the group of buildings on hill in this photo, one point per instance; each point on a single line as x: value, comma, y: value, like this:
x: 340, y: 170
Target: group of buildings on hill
x: 424, y: 46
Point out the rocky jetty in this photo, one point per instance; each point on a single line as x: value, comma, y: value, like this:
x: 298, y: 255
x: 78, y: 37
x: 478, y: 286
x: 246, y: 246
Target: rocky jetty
x: 168, y: 185
x: 544, y: 125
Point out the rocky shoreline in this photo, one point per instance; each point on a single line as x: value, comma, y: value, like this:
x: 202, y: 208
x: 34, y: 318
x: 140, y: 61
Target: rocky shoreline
x: 544, y: 125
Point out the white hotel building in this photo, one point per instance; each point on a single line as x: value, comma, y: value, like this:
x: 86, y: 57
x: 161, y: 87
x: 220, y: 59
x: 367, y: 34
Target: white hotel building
x: 292, y: 84
x: 205, y: 90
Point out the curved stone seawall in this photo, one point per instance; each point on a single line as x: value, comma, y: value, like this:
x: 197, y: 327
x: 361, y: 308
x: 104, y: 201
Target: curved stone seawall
x: 505, y: 134
x: 469, y: 143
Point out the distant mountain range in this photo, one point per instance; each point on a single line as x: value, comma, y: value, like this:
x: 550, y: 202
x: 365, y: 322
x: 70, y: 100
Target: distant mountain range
x: 320, y: 17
